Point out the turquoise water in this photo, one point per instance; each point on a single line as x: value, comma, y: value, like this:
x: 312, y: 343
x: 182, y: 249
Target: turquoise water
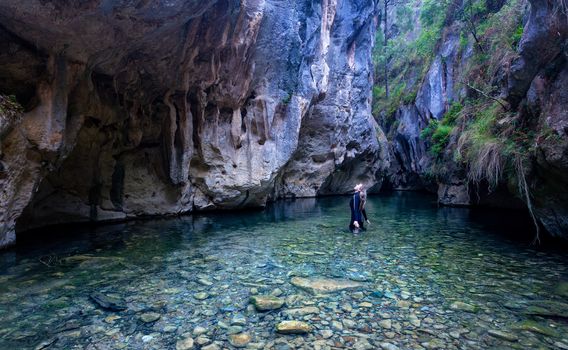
x: 429, y: 278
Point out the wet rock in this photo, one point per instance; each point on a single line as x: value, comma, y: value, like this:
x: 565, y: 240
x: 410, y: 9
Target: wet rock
x: 150, y: 317
x: 503, y: 335
x: 108, y: 302
x: 349, y: 324
x: 388, y: 346
x: 240, y: 340
x: 461, y: 306
x: 46, y: 343
x: 201, y: 296
x: 197, y: 331
x: 562, y: 289
x: 326, y: 333
x: 547, y: 308
x: 202, y: 340
x: 234, y: 329
x: 147, y: 338
x: 211, y: 347
x: 535, y: 327
x: 204, y: 282
x: 324, y: 285
x: 387, y: 324
x: 266, y: 302
x: 336, y: 325
x: 110, y: 319
x: 184, y: 344
x: 239, y: 320
x: 293, y: 327
x: 377, y: 294
x: 302, y: 311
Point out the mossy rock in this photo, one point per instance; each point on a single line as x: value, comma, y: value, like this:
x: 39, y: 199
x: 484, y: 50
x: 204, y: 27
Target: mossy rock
x: 562, y: 289
x: 535, y: 327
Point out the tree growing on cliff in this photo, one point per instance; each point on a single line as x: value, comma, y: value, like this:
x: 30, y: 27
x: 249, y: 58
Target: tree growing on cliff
x: 387, y: 5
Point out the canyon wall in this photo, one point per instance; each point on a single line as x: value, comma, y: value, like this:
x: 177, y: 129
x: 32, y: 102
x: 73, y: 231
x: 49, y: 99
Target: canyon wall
x: 134, y: 108
x: 529, y: 132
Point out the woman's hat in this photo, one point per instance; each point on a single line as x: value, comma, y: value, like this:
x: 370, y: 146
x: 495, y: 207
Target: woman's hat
x: 358, y: 187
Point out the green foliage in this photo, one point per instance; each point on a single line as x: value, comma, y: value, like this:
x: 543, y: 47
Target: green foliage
x: 408, y: 55
x: 516, y: 38
x: 439, y: 132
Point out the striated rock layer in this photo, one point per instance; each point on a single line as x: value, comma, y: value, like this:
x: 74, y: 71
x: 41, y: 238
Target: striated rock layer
x: 154, y: 108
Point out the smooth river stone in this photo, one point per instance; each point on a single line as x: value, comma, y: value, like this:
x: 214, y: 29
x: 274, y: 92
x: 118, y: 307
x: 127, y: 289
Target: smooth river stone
x: 461, y: 306
x: 184, y: 344
x: 535, y: 327
x: 302, y: 311
x: 266, y: 302
x: 503, y: 335
x: 293, y: 327
x: 324, y: 285
x: 149, y: 317
x: 108, y: 302
x: 240, y: 340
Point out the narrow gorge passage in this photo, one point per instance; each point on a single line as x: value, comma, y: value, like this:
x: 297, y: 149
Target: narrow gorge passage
x: 198, y: 174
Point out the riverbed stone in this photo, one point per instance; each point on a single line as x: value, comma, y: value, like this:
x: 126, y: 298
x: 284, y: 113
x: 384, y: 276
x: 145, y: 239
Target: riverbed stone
x: 150, y: 317
x: 302, y: 311
x: 324, y: 285
x: 461, y: 306
x: 240, y: 340
x: 239, y: 320
x: 266, y: 302
x: 503, y: 335
x: 198, y: 330
x: 201, y: 296
x: 293, y: 327
x: 534, y: 327
x: 108, y: 302
x: 184, y: 344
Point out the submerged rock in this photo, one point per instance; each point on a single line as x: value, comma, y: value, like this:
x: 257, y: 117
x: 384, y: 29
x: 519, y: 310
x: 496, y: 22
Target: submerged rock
x: 293, y: 327
x: 461, y: 306
x: 324, y: 285
x: 302, y: 311
x: 150, y: 317
x: 503, y: 335
x: 266, y: 302
x: 547, y: 308
x: 240, y: 340
x: 108, y: 302
x: 535, y: 327
x: 562, y: 289
x: 185, y: 344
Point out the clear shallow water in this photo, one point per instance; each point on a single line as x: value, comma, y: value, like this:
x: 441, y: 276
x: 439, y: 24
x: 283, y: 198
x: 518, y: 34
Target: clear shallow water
x: 433, y: 278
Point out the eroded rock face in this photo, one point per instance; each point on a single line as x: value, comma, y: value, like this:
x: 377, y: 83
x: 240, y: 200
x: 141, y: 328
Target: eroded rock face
x: 534, y: 87
x: 157, y: 108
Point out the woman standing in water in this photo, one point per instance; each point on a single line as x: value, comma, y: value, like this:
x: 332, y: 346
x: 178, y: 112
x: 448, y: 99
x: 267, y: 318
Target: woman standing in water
x: 358, y: 213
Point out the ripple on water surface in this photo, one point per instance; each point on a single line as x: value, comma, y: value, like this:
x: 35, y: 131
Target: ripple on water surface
x: 420, y: 277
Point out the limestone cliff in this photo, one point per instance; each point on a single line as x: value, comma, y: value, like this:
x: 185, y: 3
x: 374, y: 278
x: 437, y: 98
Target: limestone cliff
x: 139, y: 108
x: 486, y: 122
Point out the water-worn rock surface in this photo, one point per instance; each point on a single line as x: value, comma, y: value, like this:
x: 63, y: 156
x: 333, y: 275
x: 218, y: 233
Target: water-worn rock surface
x: 155, y: 108
x: 428, y: 278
